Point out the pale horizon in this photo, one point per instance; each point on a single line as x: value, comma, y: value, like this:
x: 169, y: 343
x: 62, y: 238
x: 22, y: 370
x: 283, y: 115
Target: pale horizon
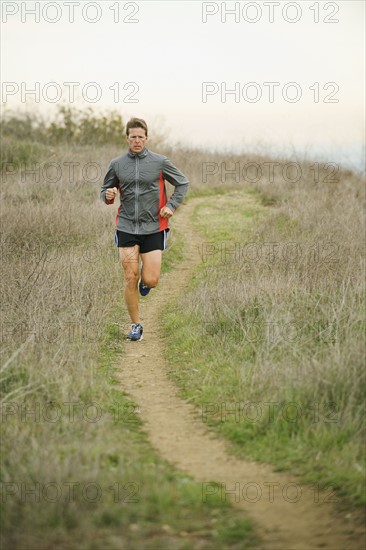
x: 173, y: 57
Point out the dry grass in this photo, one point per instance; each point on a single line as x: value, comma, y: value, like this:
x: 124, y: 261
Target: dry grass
x: 276, y: 315
x: 63, y: 323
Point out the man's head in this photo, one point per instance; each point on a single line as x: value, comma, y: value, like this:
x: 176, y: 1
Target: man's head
x: 136, y: 132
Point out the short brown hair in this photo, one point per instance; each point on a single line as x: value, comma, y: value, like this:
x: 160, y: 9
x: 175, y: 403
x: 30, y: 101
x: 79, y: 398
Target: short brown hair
x: 136, y: 123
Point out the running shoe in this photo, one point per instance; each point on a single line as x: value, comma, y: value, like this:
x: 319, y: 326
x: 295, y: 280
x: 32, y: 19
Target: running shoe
x: 143, y: 289
x: 136, y: 332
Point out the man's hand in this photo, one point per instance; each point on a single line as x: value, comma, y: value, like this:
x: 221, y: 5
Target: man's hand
x: 111, y: 194
x: 165, y: 212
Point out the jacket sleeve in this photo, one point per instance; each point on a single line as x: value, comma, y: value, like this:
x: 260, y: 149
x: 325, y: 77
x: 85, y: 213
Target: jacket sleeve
x: 180, y: 182
x: 110, y: 180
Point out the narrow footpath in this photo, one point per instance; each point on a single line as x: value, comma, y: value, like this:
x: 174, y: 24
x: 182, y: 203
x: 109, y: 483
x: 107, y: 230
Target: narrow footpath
x: 177, y: 432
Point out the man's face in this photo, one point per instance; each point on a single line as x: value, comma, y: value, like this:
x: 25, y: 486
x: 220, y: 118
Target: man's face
x: 136, y: 139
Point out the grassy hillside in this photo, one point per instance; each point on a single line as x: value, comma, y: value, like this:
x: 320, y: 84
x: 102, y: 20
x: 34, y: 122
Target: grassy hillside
x: 269, y: 341
x: 77, y: 468
x: 66, y: 426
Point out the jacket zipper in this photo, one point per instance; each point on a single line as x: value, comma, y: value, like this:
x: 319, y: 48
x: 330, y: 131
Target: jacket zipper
x: 137, y: 195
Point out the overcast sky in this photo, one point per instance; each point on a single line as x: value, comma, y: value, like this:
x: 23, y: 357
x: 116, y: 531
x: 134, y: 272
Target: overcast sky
x: 176, y: 60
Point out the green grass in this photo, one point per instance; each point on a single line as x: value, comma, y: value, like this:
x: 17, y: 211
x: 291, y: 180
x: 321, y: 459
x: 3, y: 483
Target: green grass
x: 62, y: 278
x: 218, y: 366
x: 174, y: 252
x: 143, y: 503
x: 16, y: 154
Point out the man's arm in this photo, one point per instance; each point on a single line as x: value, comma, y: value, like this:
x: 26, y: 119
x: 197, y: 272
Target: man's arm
x: 110, y: 181
x: 180, y: 182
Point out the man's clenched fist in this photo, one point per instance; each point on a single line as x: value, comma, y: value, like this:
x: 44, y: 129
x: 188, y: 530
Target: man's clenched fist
x: 165, y: 212
x: 111, y: 194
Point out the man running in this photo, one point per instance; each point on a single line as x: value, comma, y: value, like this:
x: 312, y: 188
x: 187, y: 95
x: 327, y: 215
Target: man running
x: 143, y: 214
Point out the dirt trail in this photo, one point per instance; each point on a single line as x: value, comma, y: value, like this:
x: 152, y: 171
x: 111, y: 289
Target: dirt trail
x: 177, y: 432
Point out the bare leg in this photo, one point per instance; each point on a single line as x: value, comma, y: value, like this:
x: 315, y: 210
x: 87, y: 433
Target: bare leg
x: 151, y: 265
x: 129, y: 257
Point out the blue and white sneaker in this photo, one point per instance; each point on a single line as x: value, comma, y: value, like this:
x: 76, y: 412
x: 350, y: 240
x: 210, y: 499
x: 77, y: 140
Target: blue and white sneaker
x: 135, y: 332
x: 143, y: 289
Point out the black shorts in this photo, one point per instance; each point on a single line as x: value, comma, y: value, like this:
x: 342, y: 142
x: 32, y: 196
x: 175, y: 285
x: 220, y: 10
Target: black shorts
x: 147, y: 243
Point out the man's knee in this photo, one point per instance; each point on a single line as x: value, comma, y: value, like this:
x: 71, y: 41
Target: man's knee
x: 151, y: 280
x: 131, y: 278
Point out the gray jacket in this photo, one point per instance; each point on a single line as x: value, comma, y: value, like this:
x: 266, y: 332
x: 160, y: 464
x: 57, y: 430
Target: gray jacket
x: 139, y: 177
